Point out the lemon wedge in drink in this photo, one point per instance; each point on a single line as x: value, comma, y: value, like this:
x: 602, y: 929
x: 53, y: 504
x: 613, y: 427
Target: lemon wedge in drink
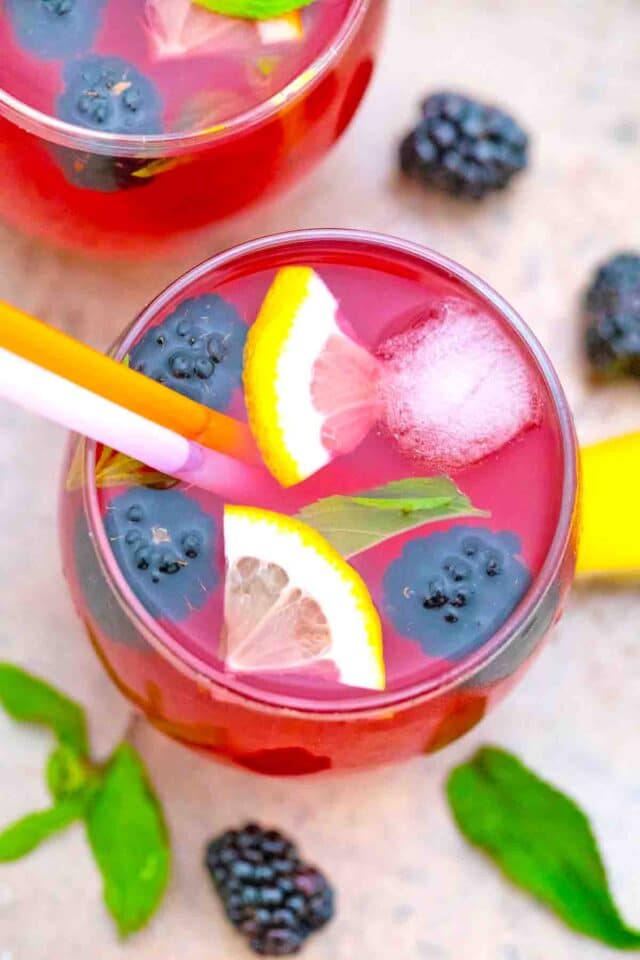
x: 291, y: 600
x: 310, y: 389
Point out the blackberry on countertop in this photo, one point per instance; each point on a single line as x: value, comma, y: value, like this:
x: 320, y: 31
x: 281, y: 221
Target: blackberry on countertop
x: 268, y: 893
x: 612, y: 311
x: 463, y: 147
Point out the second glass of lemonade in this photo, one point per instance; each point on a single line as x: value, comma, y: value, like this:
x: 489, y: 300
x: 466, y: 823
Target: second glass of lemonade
x: 127, y: 124
x: 389, y: 575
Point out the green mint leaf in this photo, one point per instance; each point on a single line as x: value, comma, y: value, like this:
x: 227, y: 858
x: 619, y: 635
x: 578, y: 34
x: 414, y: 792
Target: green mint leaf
x: 31, y: 700
x: 540, y: 839
x: 360, y: 521
x: 24, y: 835
x: 67, y: 772
x: 253, y: 9
x: 129, y: 840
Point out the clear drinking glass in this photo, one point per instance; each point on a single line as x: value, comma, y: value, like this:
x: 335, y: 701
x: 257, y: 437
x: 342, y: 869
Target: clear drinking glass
x: 277, y: 729
x: 148, y: 191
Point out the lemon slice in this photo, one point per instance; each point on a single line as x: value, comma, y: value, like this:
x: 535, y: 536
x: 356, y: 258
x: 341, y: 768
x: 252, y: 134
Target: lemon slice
x: 291, y: 600
x: 310, y: 389
x: 610, y: 533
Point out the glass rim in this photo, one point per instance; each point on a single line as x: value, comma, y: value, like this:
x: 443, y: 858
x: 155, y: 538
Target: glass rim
x: 205, y: 674
x: 71, y: 135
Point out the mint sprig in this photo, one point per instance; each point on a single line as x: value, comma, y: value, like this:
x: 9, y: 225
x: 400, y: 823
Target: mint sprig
x: 540, y: 839
x: 362, y: 520
x: 31, y: 700
x: 114, y: 469
x: 253, y: 9
x: 129, y: 840
x: 123, y: 818
x: 26, y: 834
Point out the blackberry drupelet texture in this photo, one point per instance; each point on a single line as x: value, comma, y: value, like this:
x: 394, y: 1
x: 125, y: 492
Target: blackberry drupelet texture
x: 109, y: 95
x: 53, y: 29
x: 197, y: 350
x: 165, y: 546
x: 451, y: 591
x: 612, y: 311
x: 268, y: 893
x: 102, y: 606
x: 463, y: 147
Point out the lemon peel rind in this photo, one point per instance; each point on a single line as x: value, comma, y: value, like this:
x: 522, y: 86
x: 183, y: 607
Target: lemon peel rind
x: 261, y: 371
x: 294, y: 325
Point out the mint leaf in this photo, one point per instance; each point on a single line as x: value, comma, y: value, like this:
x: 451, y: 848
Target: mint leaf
x: 124, y: 822
x: 129, y: 840
x: 360, y: 521
x: 31, y: 700
x: 540, y: 839
x: 253, y: 9
x: 24, y: 835
x: 67, y: 772
x: 115, y: 469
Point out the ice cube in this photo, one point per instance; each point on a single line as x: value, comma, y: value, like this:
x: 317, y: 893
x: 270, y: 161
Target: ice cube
x: 454, y: 387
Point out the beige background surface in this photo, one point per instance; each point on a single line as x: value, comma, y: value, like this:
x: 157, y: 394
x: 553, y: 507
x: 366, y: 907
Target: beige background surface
x: 409, y: 887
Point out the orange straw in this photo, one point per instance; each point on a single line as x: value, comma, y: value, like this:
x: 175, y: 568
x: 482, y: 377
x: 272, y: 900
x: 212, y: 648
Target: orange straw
x: 55, y: 351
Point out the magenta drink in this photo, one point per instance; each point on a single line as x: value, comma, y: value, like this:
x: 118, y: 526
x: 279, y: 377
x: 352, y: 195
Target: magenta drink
x: 392, y: 584
x: 126, y: 123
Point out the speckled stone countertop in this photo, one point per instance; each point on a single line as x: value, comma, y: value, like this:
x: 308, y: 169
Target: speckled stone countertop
x: 409, y: 887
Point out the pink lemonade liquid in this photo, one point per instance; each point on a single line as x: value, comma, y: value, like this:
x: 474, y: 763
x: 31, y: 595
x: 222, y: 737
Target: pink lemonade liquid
x: 172, y: 71
x: 433, y: 333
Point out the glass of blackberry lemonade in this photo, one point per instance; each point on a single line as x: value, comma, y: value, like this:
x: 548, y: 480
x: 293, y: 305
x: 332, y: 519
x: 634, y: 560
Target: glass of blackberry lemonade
x: 126, y: 123
x: 381, y: 582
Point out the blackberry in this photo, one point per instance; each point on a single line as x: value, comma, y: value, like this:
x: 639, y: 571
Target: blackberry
x: 463, y: 147
x: 612, y: 312
x: 107, y: 94
x: 451, y: 591
x: 55, y: 29
x: 521, y: 645
x: 197, y: 350
x: 268, y: 893
x: 101, y: 602
x: 166, y: 547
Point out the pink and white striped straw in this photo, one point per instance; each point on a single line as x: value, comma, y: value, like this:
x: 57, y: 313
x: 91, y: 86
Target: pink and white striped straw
x: 45, y: 393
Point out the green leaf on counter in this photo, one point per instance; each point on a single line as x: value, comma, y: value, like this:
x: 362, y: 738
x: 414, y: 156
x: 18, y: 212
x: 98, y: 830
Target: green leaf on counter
x: 253, y: 9
x: 540, y: 839
x: 30, y: 700
x: 123, y: 817
x: 360, y: 521
x: 24, y: 835
x: 67, y: 772
x: 129, y: 840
